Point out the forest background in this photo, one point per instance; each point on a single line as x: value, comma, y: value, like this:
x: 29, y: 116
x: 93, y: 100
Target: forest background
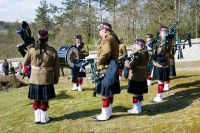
x: 130, y: 19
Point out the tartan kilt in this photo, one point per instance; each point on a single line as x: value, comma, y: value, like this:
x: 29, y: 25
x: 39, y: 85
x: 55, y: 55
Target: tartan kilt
x: 172, y: 70
x: 137, y: 87
x: 109, y: 84
x: 160, y: 73
x: 41, y: 92
x: 110, y: 90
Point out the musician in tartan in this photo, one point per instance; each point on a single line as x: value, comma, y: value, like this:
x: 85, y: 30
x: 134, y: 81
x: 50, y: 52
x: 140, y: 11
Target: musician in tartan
x: 137, y: 83
x: 44, y: 74
x: 83, y: 52
x: 107, y: 63
x: 161, y: 58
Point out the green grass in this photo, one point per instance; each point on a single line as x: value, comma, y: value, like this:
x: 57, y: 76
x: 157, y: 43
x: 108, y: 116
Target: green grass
x: 72, y: 111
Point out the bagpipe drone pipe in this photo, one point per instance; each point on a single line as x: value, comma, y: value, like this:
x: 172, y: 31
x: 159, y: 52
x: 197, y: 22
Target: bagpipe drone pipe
x: 133, y: 56
x: 25, y: 32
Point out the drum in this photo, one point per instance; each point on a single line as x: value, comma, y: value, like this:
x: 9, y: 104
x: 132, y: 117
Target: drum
x: 66, y: 55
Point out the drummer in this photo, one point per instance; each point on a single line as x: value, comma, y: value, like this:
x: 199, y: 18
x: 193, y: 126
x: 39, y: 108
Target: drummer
x: 83, y: 52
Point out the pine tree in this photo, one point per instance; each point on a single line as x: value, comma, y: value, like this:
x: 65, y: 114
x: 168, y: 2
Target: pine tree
x: 43, y: 19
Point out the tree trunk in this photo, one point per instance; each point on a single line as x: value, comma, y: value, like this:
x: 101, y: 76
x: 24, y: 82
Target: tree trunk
x: 89, y: 23
x: 196, y: 25
x: 114, y: 6
x: 100, y: 5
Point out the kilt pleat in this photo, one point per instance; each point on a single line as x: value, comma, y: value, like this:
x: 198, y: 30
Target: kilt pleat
x: 137, y: 87
x: 41, y: 92
x: 109, y: 91
x: 161, y: 73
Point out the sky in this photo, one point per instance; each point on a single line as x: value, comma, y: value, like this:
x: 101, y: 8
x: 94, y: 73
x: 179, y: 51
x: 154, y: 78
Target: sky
x: 19, y: 10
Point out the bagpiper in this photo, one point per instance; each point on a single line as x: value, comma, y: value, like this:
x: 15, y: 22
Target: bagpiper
x: 107, y: 63
x: 137, y: 83
x: 161, y: 54
x: 44, y: 74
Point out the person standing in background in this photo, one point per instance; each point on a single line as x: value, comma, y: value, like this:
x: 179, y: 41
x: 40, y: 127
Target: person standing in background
x: 161, y: 61
x: 149, y: 45
x: 5, y: 67
x: 79, y: 72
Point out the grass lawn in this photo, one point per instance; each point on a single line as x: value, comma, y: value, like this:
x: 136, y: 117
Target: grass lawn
x: 72, y: 111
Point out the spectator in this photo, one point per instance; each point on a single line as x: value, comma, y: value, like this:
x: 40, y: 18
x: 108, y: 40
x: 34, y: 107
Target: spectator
x: 5, y: 67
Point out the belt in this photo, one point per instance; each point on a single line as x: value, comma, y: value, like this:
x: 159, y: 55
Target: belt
x: 141, y: 67
x: 41, y: 68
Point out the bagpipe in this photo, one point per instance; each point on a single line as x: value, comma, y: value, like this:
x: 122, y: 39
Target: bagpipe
x: 171, y: 34
x: 95, y: 75
x: 25, y: 32
x: 69, y: 57
x: 176, y: 38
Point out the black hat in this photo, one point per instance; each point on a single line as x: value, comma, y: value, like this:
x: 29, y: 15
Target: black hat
x: 43, y: 35
x: 164, y: 28
x: 140, y: 41
x: 150, y: 35
x: 78, y: 37
x: 105, y: 25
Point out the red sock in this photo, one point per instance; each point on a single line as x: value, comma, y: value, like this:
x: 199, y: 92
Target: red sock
x: 120, y: 72
x: 79, y: 80
x: 111, y: 100
x: 36, y: 104
x: 105, y: 102
x: 44, y: 105
x: 149, y: 76
x: 160, y: 88
x: 135, y: 99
